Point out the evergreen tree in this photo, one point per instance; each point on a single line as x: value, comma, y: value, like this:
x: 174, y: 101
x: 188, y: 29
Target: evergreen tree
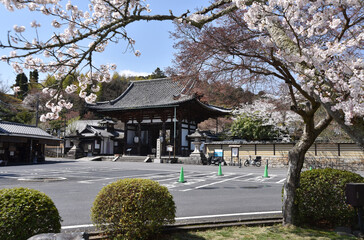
x: 113, y: 89
x: 253, y: 128
x: 158, y: 73
x: 22, y: 82
x: 34, y: 76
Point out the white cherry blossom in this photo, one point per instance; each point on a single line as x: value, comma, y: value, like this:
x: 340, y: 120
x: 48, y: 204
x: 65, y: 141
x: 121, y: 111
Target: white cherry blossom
x: 19, y: 29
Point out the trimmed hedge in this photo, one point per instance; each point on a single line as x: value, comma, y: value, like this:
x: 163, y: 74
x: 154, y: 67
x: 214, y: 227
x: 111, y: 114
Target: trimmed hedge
x: 133, y: 208
x: 321, y: 198
x: 26, y: 212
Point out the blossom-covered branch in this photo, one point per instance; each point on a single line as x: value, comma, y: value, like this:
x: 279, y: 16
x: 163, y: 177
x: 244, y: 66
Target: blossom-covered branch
x: 78, y: 34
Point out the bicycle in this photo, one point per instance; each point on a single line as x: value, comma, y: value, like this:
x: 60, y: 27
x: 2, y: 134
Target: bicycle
x: 256, y: 162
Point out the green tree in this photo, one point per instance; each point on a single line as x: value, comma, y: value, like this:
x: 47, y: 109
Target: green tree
x: 17, y: 114
x: 70, y: 79
x: 113, y: 89
x: 50, y: 81
x: 23, y: 116
x: 252, y: 128
x: 34, y: 76
x: 11, y: 109
x: 22, y: 82
x: 158, y: 73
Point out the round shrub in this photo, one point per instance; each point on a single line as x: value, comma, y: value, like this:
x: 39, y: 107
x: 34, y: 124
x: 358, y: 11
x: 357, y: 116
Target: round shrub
x: 321, y: 198
x: 26, y: 212
x: 133, y: 208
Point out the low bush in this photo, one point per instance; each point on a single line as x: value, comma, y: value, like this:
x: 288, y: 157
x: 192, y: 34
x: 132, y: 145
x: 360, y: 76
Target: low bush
x: 321, y: 198
x: 26, y: 212
x: 133, y: 208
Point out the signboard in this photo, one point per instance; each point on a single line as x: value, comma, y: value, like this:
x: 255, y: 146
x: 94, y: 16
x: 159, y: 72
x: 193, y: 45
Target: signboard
x: 218, y: 153
x: 169, y: 148
x: 158, y: 149
x: 234, y: 152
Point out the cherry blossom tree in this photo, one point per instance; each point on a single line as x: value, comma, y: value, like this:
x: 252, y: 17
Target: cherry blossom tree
x: 316, y: 48
x: 231, y: 50
x: 273, y: 113
x: 322, y: 43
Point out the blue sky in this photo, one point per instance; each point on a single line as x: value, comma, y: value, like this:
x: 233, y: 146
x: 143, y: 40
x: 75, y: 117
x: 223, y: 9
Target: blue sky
x: 152, y: 38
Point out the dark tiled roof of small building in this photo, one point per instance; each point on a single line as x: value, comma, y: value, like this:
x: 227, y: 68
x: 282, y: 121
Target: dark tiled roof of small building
x: 91, y: 131
x: 147, y: 94
x: 22, y: 130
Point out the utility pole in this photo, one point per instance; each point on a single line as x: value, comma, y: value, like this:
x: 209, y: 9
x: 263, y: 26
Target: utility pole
x: 174, y: 133
x: 37, y: 111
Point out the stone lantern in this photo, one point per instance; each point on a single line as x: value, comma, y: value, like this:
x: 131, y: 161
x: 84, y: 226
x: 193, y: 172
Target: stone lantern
x: 76, y: 151
x: 196, y: 157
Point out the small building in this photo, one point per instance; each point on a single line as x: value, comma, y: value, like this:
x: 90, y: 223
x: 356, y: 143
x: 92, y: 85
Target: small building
x: 158, y: 109
x: 94, y: 138
x: 20, y: 143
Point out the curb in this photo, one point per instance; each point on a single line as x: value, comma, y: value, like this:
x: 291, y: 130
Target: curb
x: 226, y: 220
x: 200, y: 222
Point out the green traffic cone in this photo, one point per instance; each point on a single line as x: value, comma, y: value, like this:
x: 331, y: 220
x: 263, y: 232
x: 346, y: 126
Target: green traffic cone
x: 219, y: 173
x: 181, y: 177
x: 266, y: 171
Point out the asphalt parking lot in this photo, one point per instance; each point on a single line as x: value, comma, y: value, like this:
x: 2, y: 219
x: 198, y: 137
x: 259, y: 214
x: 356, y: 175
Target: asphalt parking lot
x: 73, y: 185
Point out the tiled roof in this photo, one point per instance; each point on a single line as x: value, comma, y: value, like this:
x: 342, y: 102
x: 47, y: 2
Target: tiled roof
x: 80, y: 125
x: 22, y: 130
x: 146, y: 94
x: 91, y: 131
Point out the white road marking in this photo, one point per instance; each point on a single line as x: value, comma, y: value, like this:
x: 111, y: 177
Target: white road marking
x: 120, y: 177
x: 225, y: 180
x: 281, y: 181
x: 10, y: 177
x: 259, y: 179
x: 166, y: 179
x: 94, y: 180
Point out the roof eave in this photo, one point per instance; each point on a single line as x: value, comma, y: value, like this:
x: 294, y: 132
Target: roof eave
x: 220, y: 110
x: 31, y: 136
x: 137, y: 108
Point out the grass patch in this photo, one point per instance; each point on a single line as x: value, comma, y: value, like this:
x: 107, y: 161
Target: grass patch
x: 275, y: 232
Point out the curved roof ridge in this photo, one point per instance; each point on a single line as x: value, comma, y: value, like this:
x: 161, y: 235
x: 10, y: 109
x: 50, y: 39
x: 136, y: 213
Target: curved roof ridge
x: 213, y: 107
x: 123, y: 94
x: 115, y: 99
x: 149, y: 80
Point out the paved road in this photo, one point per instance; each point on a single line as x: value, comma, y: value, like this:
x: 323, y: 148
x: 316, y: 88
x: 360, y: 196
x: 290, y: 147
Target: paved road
x: 239, y: 190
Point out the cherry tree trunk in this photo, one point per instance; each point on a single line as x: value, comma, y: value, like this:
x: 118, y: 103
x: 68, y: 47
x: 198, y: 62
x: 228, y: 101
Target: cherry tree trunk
x: 296, y: 157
